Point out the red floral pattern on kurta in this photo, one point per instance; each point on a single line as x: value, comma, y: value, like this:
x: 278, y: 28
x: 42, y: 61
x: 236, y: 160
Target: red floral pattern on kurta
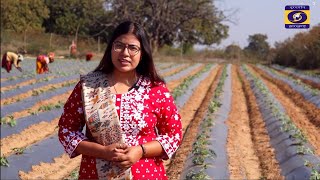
x: 146, y: 113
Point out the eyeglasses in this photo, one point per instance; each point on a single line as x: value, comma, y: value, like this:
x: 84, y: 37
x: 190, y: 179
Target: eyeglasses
x: 132, y: 49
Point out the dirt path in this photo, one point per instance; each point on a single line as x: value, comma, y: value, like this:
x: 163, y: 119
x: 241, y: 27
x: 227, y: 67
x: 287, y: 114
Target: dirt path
x: 296, y: 114
x: 268, y: 163
x: 243, y: 161
x: 194, y: 111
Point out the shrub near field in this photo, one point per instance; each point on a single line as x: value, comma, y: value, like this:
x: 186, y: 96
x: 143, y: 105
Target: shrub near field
x: 30, y: 148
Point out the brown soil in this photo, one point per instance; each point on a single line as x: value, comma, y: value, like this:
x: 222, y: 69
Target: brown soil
x: 310, y: 110
x: 268, y: 163
x: 243, y: 161
x: 197, y: 111
x: 297, y: 115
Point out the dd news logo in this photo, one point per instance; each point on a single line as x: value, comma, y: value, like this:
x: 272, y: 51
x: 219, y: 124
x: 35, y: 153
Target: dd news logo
x: 297, y: 17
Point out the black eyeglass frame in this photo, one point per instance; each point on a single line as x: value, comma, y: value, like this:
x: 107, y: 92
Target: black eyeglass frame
x: 132, y: 52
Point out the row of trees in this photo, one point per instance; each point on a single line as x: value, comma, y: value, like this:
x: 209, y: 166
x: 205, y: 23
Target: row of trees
x: 301, y: 51
x: 167, y: 22
x: 258, y: 48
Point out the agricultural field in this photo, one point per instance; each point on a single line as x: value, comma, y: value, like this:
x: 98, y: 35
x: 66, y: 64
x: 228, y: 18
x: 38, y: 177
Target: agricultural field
x: 240, y: 121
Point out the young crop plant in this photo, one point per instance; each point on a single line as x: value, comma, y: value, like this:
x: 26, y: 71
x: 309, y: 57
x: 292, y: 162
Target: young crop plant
x: 185, y: 84
x: 4, y: 161
x: 9, y: 120
x: 304, y: 150
x: 214, y: 106
x: 18, y: 151
x: 51, y: 106
x: 74, y: 175
x: 37, y: 92
x: 201, y: 175
x: 315, y: 175
x: 34, y: 112
x: 12, y: 122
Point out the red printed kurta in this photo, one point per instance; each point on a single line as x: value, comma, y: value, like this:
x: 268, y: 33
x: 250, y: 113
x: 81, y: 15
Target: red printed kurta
x: 145, y: 113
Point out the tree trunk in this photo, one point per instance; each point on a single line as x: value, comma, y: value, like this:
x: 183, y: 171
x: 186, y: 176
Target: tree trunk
x: 154, y: 46
x: 76, y: 38
x: 25, y: 40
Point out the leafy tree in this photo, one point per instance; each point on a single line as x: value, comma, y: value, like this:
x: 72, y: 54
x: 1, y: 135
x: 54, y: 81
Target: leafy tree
x: 23, y: 15
x: 301, y: 51
x: 70, y: 17
x: 258, y: 46
x: 171, y: 21
x: 233, y: 51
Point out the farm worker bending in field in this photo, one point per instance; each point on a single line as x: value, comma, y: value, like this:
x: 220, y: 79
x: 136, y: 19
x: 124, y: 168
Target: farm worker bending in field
x: 43, y: 61
x: 132, y: 123
x: 10, y: 58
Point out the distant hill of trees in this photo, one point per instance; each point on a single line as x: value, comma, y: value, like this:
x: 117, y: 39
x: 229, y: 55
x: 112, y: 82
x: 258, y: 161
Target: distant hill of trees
x: 301, y: 51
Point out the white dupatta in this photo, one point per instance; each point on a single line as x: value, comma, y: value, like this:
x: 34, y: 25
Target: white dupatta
x: 102, y: 120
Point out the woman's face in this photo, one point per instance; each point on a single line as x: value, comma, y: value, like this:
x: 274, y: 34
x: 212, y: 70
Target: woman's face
x: 126, y: 53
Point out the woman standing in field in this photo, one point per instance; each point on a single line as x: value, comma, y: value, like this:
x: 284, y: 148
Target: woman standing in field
x: 43, y: 61
x: 10, y: 58
x: 132, y: 123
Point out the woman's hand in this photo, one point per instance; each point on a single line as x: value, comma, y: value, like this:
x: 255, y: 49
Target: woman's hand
x: 126, y: 157
x: 114, y: 151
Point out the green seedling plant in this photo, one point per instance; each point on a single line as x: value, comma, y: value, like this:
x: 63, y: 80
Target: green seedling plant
x: 304, y: 150
x: 315, y: 175
x: 9, y: 120
x: 18, y: 151
x: 74, y: 174
x: 4, y: 161
x: 37, y: 92
x: 201, y: 175
x: 287, y: 124
x: 313, y: 91
x: 178, y: 91
x: 12, y: 122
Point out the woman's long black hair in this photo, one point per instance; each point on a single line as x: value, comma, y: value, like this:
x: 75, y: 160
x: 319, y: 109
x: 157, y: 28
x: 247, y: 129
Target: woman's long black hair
x: 146, y: 65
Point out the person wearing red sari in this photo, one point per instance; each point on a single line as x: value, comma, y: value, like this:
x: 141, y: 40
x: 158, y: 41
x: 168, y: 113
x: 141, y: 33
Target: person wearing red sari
x: 132, y: 123
x: 42, y: 62
x: 11, y: 58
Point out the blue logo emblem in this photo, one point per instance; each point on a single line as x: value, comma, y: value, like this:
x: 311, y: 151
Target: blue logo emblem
x: 297, y: 17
